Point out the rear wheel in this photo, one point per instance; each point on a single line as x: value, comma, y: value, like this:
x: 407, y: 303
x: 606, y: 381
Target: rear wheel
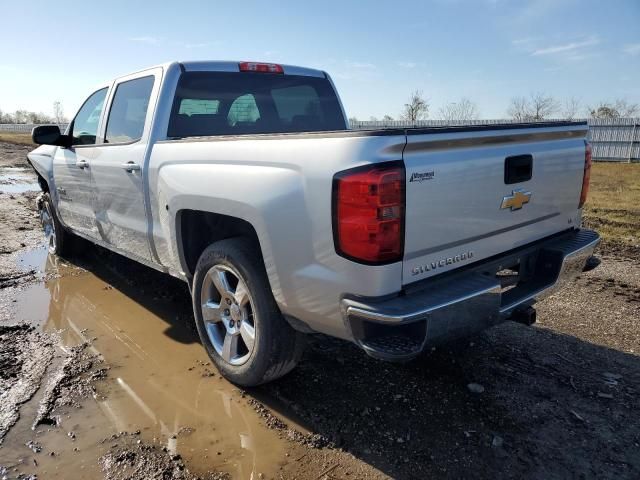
x: 57, y: 238
x: 237, y: 318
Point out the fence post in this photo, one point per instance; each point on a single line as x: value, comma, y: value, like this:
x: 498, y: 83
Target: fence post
x: 633, y: 138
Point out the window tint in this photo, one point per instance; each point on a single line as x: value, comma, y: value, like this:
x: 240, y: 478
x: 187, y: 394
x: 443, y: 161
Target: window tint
x: 129, y: 110
x: 300, y: 100
x: 85, y: 125
x: 251, y: 103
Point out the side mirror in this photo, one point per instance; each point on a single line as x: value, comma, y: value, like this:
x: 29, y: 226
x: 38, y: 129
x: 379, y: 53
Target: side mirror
x: 49, y: 135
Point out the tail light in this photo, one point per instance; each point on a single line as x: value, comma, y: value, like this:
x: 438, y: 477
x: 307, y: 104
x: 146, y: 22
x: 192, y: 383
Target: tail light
x: 587, y: 174
x: 368, y: 213
x: 260, y: 67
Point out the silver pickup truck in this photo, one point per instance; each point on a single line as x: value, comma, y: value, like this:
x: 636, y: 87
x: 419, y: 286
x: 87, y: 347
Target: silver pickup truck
x: 244, y: 180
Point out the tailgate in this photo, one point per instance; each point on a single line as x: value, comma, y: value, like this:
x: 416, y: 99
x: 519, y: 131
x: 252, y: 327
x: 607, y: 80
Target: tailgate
x: 463, y: 195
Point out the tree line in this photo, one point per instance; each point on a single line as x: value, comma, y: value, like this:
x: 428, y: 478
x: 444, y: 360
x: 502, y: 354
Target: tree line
x: 25, y: 116
x: 535, y: 107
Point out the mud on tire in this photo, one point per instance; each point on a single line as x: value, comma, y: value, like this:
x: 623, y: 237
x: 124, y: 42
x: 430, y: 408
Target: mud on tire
x: 225, y: 314
x: 58, y: 239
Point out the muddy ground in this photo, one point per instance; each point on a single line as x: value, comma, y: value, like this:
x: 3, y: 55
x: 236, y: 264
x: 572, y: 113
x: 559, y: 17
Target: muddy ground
x: 102, y: 376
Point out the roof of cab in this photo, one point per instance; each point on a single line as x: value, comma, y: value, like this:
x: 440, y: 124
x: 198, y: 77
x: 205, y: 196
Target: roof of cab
x: 230, y: 66
x: 221, y: 66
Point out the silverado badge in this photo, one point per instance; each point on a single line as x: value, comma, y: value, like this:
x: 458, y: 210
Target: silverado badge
x: 516, y: 200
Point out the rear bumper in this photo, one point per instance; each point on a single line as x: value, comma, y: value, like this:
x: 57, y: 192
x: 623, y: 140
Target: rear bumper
x: 467, y: 300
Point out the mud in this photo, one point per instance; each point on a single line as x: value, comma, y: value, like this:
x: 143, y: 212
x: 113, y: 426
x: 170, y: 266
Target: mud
x: 130, y: 458
x: 73, y: 381
x: 24, y: 357
x: 159, y: 382
x: 557, y: 400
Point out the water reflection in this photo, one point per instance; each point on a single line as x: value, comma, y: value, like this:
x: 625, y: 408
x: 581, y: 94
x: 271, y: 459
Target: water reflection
x: 163, y: 387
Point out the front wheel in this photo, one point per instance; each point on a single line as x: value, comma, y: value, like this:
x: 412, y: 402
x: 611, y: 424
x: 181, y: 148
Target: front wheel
x: 237, y: 318
x: 57, y: 238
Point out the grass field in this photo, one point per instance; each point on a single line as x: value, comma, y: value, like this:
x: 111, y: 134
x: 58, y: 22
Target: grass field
x: 12, y: 137
x: 613, y: 206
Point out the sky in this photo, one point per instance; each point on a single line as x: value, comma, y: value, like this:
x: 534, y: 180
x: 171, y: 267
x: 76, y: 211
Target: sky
x: 377, y: 52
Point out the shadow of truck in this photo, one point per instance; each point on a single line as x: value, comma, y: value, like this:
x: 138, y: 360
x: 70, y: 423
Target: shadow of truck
x: 553, y: 406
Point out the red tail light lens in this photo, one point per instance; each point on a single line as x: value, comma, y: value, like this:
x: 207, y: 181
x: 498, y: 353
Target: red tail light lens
x: 587, y: 175
x: 368, y: 213
x: 260, y: 67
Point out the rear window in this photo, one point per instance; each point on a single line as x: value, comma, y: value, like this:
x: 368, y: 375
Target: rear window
x: 226, y: 103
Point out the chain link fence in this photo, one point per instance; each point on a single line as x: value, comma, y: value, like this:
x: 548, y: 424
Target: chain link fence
x: 613, y: 140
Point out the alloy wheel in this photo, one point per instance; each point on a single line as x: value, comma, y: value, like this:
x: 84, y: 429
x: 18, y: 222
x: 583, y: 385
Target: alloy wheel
x: 48, y: 225
x: 228, y: 314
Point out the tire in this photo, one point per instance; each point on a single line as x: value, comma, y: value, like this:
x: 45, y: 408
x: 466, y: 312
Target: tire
x: 58, y: 239
x: 232, y: 300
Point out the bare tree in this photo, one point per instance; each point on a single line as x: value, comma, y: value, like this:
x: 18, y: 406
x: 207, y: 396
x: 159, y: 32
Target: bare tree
x: 537, y: 107
x: 387, y: 118
x: 570, y: 108
x: 58, y: 112
x: 621, y: 108
x: 465, y: 109
x: 519, y: 109
x: 24, y: 116
x: 417, y: 108
x: 20, y: 116
x: 353, y: 119
x: 542, y: 106
x: 627, y: 109
x: 38, y: 117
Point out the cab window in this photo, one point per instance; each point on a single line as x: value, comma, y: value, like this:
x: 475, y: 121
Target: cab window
x: 129, y: 111
x: 85, y: 126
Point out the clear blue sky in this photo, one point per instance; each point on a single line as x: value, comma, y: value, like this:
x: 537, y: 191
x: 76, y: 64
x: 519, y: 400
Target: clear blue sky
x: 377, y: 52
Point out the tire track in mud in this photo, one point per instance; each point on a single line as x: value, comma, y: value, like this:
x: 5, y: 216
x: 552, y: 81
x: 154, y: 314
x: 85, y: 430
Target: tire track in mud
x: 72, y: 381
x: 25, y: 355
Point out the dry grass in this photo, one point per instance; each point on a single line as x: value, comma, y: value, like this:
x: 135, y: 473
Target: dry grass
x: 613, y: 207
x: 13, y: 137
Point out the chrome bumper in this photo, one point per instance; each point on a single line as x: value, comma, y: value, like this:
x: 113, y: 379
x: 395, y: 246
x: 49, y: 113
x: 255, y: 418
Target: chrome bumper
x: 465, y: 302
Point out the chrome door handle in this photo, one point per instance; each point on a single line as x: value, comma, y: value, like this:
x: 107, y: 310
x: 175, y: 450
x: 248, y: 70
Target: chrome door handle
x: 82, y: 164
x: 131, y: 167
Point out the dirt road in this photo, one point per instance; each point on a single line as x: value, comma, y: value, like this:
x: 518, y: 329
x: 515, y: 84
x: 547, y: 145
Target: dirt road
x: 98, y: 353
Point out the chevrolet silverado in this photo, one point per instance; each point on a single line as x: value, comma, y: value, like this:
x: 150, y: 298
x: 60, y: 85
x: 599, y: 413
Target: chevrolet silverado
x: 244, y: 180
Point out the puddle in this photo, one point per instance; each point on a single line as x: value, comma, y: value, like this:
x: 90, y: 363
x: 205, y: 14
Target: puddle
x: 36, y: 259
x: 17, y: 180
x: 161, y: 382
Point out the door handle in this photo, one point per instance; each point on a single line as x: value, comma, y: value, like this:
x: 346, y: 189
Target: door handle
x: 131, y: 167
x: 82, y: 164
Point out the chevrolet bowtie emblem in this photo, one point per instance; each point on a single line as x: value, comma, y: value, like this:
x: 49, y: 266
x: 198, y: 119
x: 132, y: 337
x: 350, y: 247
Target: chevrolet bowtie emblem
x: 515, y: 200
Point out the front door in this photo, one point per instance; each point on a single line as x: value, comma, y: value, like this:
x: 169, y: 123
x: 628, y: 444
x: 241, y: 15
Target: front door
x: 72, y: 168
x: 118, y: 167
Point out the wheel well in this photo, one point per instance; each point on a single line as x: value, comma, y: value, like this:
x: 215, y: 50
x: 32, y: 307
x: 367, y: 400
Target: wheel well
x: 200, y: 229
x: 43, y: 183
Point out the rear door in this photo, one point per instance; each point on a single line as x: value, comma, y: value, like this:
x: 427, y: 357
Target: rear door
x: 477, y: 193
x: 118, y: 167
x: 72, y: 168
